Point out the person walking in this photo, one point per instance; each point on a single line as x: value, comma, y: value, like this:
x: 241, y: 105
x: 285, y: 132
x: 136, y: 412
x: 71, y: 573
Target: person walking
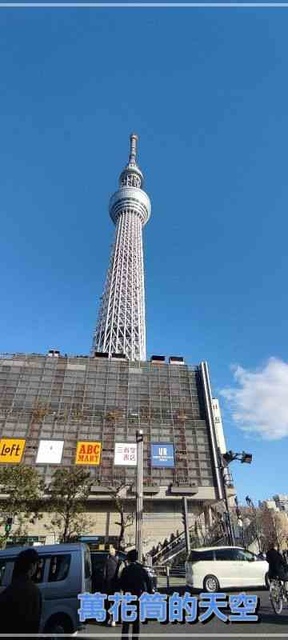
x: 135, y: 580
x: 111, y: 574
x: 21, y: 601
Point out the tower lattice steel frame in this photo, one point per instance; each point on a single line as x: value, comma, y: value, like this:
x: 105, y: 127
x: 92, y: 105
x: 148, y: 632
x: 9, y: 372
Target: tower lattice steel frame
x: 121, y: 321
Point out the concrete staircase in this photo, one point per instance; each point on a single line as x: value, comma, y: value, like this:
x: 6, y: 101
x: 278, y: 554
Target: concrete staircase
x: 244, y: 537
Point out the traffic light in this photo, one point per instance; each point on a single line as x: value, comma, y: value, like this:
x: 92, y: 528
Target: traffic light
x: 8, y: 525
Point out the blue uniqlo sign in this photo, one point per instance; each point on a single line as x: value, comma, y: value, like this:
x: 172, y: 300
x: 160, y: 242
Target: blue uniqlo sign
x: 162, y: 454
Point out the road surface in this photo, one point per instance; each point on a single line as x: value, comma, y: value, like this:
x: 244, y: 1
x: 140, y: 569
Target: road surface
x: 270, y: 625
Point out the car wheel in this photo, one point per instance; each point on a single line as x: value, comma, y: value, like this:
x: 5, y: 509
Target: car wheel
x: 211, y: 584
x: 267, y: 580
x: 59, y: 624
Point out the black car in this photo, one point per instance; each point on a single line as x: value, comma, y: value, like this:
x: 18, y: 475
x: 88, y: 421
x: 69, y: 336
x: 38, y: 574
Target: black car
x: 98, y: 559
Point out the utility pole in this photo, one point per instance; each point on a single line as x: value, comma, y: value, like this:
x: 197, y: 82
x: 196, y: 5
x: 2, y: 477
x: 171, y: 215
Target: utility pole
x: 107, y: 530
x: 239, y: 520
x: 228, y: 522
x: 224, y: 461
x: 139, y: 494
x: 231, y: 535
x: 186, y: 523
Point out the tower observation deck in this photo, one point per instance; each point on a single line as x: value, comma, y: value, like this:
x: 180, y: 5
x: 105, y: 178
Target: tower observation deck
x: 121, y: 321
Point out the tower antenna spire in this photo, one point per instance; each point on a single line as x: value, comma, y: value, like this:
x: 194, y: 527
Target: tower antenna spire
x: 133, y: 148
x: 121, y: 325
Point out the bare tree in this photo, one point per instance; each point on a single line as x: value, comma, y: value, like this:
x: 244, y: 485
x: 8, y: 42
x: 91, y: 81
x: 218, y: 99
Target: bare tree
x: 268, y: 526
x: 24, y: 489
x: 273, y: 526
x: 126, y: 519
x: 68, y: 493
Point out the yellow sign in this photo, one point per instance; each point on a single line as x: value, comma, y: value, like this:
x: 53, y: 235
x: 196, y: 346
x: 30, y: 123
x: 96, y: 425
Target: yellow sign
x: 11, y: 450
x: 88, y: 453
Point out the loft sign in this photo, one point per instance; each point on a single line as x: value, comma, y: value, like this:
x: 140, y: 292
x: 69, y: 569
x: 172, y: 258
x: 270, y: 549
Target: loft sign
x: 11, y: 450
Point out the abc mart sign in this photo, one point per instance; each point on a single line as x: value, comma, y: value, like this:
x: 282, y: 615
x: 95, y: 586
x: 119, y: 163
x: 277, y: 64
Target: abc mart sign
x: 88, y: 453
x: 11, y: 450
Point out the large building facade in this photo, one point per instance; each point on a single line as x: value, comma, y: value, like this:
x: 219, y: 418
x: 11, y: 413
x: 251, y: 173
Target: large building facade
x: 52, y: 405
x: 96, y: 399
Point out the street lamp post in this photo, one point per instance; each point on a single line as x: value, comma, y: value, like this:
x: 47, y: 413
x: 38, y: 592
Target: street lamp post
x: 139, y: 494
x: 186, y: 524
x: 224, y: 461
x: 228, y: 521
x: 239, y: 520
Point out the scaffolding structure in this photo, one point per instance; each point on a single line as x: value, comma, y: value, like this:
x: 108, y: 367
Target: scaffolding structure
x: 81, y: 398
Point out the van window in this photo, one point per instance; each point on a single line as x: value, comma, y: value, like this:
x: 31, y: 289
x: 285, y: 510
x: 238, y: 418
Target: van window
x: 197, y: 556
x: 59, y: 567
x: 226, y: 554
x: 39, y: 573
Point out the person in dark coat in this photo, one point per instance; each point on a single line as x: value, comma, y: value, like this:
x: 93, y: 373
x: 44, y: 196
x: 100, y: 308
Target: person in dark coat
x: 135, y: 580
x: 110, y: 577
x: 21, y: 601
x: 277, y: 566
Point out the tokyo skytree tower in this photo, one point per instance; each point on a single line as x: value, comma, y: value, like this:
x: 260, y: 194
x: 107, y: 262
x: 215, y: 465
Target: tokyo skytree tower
x: 121, y: 321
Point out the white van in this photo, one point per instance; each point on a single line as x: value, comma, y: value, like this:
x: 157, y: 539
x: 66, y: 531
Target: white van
x: 216, y: 568
x: 64, y: 571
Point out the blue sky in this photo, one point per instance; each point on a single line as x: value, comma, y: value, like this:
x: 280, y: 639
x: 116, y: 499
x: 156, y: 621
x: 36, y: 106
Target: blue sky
x: 206, y: 90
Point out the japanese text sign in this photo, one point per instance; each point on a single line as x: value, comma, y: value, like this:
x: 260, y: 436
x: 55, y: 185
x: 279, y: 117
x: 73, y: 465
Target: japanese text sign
x: 125, y: 454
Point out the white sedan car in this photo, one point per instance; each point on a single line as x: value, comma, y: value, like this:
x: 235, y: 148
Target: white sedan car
x: 216, y: 568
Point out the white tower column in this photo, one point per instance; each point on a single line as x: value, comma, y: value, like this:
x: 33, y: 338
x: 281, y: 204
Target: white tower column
x: 121, y: 321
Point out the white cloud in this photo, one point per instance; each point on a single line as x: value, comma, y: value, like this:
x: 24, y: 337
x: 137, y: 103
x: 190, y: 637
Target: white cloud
x: 259, y: 399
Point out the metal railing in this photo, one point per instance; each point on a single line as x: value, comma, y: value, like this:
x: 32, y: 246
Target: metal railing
x: 170, y: 576
x: 170, y: 550
x: 177, y: 546
x: 168, y: 553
